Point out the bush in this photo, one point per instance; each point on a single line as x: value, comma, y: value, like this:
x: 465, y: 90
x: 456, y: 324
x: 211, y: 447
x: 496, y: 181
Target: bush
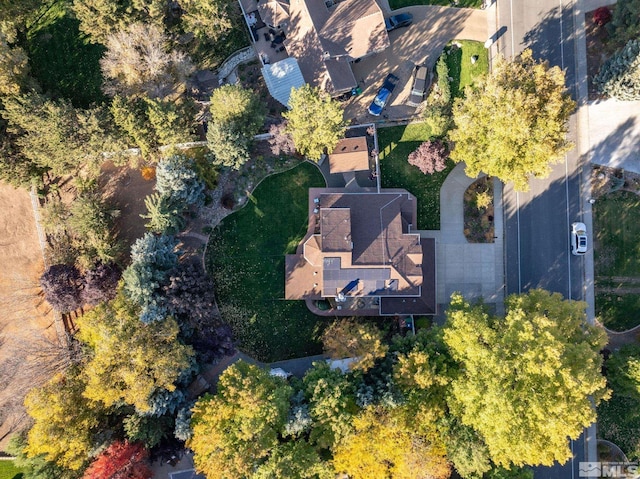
x: 619, y: 76
x: 101, y: 283
x: 602, y: 16
x: 61, y: 284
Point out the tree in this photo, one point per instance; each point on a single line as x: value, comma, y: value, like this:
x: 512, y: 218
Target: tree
x: 37, y: 466
x: 65, y: 422
x: 349, y: 338
x: 625, y: 23
x: 619, y: 76
x: 172, y: 121
x: 101, y: 18
x: 61, y: 284
x: 280, y: 141
x: 190, y: 299
x: 14, y: 69
x: 237, y: 108
x: 147, y: 429
x: 137, y: 63
x: 121, y: 460
x: 431, y: 156
x: 152, y: 257
x: 163, y: 213
x: 235, y: 430
x: 130, y: 115
x: 332, y: 404
x: 296, y: 459
x: 55, y: 135
x: 623, y: 371
x: 129, y: 360
x: 315, y: 121
x: 383, y: 445
x: 526, y: 381
x: 177, y: 179
x: 229, y: 147
x: 101, y: 283
x: 209, y: 20
x: 513, y: 125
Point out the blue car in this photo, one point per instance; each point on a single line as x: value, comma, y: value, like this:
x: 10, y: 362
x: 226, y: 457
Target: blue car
x: 398, y: 21
x: 383, y: 95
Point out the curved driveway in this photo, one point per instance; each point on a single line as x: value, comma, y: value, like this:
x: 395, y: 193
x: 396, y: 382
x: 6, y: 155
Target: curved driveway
x: 423, y: 41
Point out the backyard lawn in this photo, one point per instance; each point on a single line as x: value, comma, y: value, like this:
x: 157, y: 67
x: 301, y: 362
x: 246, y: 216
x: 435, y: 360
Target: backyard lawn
x: 245, y: 256
x: 62, y: 59
x: 9, y: 471
x: 617, y: 259
x: 395, y: 144
x: 445, y: 3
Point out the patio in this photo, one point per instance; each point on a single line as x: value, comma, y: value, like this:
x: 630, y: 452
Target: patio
x: 267, y: 40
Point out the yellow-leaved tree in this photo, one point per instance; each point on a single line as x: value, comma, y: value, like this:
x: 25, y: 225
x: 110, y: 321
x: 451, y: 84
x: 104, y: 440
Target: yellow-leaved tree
x: 350, y: 338
x: 526, y: 381
x: 513, y: 124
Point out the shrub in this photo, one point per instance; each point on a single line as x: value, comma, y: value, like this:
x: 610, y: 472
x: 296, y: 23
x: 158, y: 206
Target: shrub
x: 100, y: 283
x: 148, y: 172
x: 602, y: 16
x: 431, y: 156
x: 619, y: 76
x: 61, y: 284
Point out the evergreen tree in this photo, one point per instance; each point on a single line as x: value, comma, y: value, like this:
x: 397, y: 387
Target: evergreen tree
x: 619, y: 76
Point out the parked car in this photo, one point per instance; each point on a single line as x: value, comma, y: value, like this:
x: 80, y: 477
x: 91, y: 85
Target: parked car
x: 383, y: 95
x: 421, y: 81
x: 578, y: 238
x: 398, y: 21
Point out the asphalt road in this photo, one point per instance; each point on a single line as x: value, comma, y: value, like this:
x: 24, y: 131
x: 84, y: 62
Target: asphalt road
x: 537, y: 223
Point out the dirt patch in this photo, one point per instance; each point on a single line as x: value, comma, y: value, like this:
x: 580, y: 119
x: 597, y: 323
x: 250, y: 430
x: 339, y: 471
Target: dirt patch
x: 26, y: 319
x: 126, y: 189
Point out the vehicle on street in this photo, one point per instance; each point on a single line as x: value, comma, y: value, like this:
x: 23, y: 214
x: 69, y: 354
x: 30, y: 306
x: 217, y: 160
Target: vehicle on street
x: 383, y: 95
x: 578, y: 238
x: 422, y: 77
x: 398, y: 21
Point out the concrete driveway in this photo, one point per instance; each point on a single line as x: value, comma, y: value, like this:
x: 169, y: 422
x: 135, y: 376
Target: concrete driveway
x: 423, y: 41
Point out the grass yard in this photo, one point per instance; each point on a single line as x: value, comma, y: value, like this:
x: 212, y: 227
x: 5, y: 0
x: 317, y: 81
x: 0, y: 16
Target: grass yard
x: 395, y: 144
x: 246, y: 258
x: 65, y: 64
x: 394, y: 4
x: 9, y: 471
x: 617, y: 259
x: 461, y: 69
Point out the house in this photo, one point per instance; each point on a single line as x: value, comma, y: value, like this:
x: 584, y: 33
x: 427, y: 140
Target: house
x: 350, y: 154
x: 325, y: 36
x: 364, y: 246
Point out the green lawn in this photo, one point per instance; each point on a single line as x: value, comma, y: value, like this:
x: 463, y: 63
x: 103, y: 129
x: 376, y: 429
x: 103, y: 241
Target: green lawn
x: 461, y: 69
x: 446, y: 3
x: 9, y: 471
x: 395, y: 144
x: 246, y: 258
x: 62, y: 60
x: 618, y: 312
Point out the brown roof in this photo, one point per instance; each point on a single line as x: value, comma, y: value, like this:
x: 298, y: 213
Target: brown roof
x: 361, y: 244
x: 350, y: 154
x: 325, y: 39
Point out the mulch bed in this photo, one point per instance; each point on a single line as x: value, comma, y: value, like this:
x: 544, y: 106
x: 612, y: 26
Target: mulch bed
x: 478, y: 221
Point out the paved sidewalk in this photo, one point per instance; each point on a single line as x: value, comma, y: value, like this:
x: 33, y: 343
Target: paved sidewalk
x: 474, y: 269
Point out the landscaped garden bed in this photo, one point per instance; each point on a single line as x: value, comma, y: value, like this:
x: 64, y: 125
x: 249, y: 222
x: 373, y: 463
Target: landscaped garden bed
x: 617, y: 259
x: 246, y: 256
x: 478, y: 211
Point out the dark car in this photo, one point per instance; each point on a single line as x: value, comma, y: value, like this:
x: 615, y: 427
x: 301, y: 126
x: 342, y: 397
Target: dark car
x: 383, y: 95
x: 398, y: 21
x: 421, y: 81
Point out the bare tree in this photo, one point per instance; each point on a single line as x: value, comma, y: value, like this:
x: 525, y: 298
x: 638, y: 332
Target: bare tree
x: 138, y: 63
x: 281, y: 142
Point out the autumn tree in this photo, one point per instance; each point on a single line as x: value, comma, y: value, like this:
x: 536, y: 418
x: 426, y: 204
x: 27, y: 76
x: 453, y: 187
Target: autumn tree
x: 280, y: 141
x: 297, y: 459
x: 138, y: 63
x: 101, y: 283
x: 62, y: 285
x: 350, y: 338
x: 526, y: 381
x: 382, y: 444
x: 514, y: 123
x: 332, y: 403
x: 431, y: 156
x: 14, y: 69
x: 121, y: 460
x: 129, y: 360
x: 36, y: 466
x: 235, y: 430
x: 237, y: 115
x: 315, y: 121
x: 65, y: 422
x: 101, y: 18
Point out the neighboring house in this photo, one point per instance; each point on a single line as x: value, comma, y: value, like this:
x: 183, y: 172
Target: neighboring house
x: 364, y: 246
x: 325, y: 36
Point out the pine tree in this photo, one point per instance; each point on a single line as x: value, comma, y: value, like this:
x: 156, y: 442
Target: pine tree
x: 619, y: 76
